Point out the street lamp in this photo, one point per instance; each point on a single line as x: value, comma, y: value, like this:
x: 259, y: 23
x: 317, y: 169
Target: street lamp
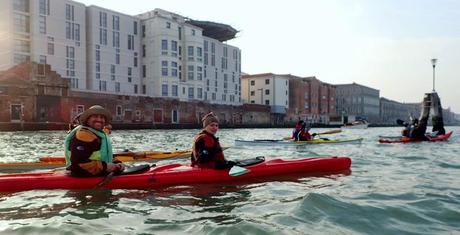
x: 433, y: 62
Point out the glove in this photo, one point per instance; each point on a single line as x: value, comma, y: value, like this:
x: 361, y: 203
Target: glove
x: 314, y: 134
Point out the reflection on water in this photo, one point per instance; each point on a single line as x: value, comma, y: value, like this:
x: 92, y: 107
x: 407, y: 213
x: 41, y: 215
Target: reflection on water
x: 393, y: 189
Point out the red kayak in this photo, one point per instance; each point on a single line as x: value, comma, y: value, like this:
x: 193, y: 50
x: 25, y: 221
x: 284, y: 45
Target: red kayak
x: 402, y: 139
x: 172, y: 174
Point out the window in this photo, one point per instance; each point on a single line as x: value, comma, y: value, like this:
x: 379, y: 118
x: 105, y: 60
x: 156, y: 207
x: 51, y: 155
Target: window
x: 174, y: 116
x: 168, y: 25
x: 21, y: 5
x: 174, y: 90
x: 21, y: 23
x: 267, y: 92
x: 135, y: 89
x: 103, y: 19
x: 190, y: 72
x: 116, y: 39
x: 103, y: 36
x: 117, y: 58
x: 267, y: 81
x: 193, y: 32
x: 174, y: 69
x: 199, y: 93
x: 199, y: 73
x: 117, y: 87
x: 143, y: 31
x: 190, y: 53
x: 130, y: 72
x: 267, y: 102
x: 164, y: 90
x: 253, y: 83
x: 116, y: 23
x: 144, y: 71
x: 42, y: 24
x: 130, y: 42
x: 98, y: 55
x: 191, y: 92
x: 253, y: 93
x: 164, y: 68
x: 102, y: 85
x: 135, y: 27
x: 50, y: 48
x: 69, y: 12
x: 164, y: 45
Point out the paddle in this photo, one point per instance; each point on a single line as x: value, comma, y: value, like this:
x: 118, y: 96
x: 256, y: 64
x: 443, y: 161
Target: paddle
x: 238, y: 168
x: 127, y: 171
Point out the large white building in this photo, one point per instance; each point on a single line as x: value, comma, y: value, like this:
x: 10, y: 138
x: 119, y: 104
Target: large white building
x: 157, y: 54
x: 178, y: 61
x: 47, y: 32
x: 113, y: 48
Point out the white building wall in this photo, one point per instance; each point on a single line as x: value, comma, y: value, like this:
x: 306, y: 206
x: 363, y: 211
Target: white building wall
x: 62, y: 25
x: 111, y: 62
x: 266, y: 89
x: 193, y: 73
x: 6, y: 34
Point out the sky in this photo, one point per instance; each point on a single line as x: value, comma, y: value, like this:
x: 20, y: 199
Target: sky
x: 387, y: 45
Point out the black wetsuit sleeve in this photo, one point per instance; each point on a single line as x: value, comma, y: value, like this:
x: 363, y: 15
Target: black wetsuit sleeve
x: 204, y: 154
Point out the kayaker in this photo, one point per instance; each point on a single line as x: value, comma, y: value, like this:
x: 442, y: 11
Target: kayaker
x: 303, y: 133
x: 416, y: 128
x: 206, y: 149
x: 297, y: 129
x: 88, y: 149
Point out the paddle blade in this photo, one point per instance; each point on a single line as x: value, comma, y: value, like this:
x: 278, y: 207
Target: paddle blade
x: 330, y: 132
x: 400, y: 122
x: 237, y: 170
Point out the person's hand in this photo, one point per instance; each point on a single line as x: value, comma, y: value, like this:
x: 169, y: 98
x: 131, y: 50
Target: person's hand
x: 115, y: 167
x: 314, y: 134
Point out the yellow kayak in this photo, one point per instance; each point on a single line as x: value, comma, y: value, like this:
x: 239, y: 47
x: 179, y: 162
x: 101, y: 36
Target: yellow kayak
x: 49, y: 162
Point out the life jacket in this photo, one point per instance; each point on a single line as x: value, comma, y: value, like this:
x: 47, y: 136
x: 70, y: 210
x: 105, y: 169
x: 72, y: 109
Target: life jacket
x: 212, y: 145
x: 104, y: 154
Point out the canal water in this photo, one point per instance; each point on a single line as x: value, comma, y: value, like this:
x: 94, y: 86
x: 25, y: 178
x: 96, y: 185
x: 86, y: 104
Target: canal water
x: 392, y: 189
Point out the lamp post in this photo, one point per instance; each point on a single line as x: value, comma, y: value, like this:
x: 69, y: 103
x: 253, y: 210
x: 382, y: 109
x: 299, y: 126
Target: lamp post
x: 433, y: 62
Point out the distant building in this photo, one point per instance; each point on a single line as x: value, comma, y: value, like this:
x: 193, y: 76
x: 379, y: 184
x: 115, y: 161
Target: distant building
x: 391, y: 110
x: 46, y: 32
x: 186, y: 59
x: 113, y: 52
x: 155, y: 54
x: 267, y: 89
x: 311, y: 100
x: 355, y: 101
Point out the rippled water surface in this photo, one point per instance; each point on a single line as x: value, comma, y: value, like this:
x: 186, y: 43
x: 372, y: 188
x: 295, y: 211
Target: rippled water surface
x: 392, y: 189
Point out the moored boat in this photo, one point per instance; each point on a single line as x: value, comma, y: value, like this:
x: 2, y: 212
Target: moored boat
x: 362, y: 124
x: 173, y: 174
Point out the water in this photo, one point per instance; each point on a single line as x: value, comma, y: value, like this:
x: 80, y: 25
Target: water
x: 393, y: 189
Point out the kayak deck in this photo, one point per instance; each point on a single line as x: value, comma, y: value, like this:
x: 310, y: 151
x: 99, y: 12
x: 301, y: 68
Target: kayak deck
x: 288, y: 142
x: 50, y: 162
x: 173, y: 174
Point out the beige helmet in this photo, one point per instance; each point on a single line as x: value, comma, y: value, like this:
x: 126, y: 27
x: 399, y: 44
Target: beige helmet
x: 93, y: 110
x: 209, y: 118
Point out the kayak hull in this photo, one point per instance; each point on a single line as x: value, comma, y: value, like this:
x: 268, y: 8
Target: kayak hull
x: 391, y: 140
x: 294, y: 143
x: 173, y: 174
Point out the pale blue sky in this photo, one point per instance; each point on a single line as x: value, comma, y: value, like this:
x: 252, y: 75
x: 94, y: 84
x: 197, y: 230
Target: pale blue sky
x: 384, y: 44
